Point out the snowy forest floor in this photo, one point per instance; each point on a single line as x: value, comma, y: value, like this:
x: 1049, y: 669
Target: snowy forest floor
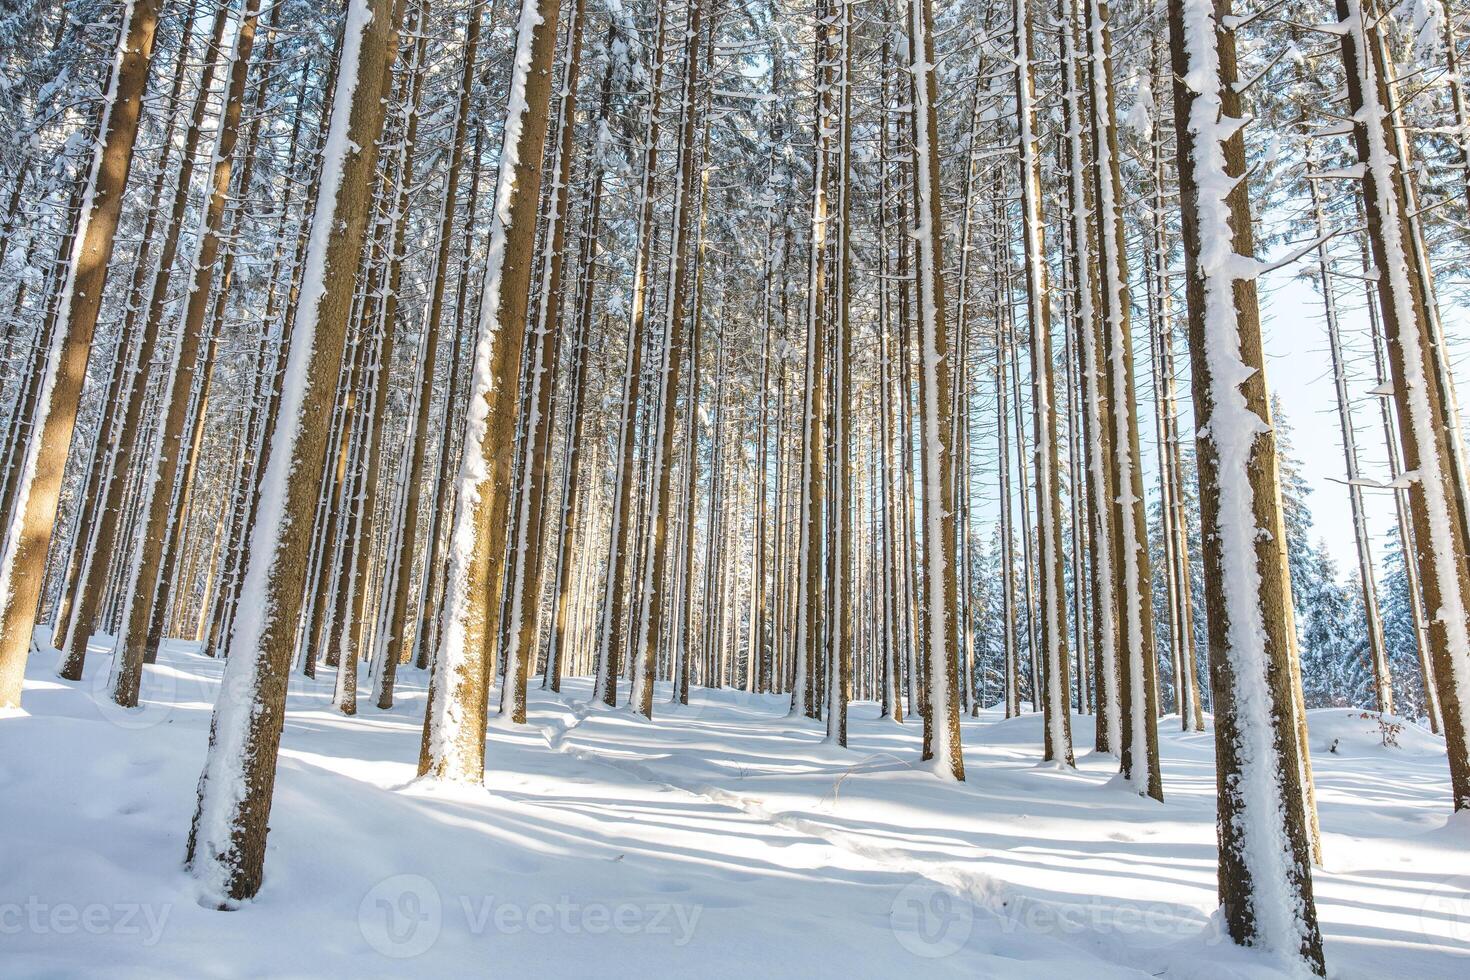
x: 722, y: 838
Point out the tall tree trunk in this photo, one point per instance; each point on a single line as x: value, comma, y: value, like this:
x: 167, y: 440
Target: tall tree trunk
x: 811, y: 532
x: 125, y: 371
x: 1417, y: 613
x: 38, y: 489
x: 394, y: 232
x: 1377, y: 651
x: 450, y: 448
x: 525, y: 570
x: 615, y: 627
x: 1176, y: 524
x: 228, y: 836
x: 571, y: 495
x: 454, y: 722
x: 941, y: 707
x: 1265, y: 875
x: 1055, y: 693
x: 401, y: 633
x: 840, y: 573
x: 1428, y: 434
x: 651, y: 582
x: 143, y: 615
x: 1138, y: 669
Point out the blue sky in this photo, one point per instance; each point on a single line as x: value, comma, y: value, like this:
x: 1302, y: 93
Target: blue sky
x: 1299, y: 370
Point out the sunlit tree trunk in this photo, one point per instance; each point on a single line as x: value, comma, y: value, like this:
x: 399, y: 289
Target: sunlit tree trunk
x: 227, y: 839
x: 1138, y: 669
x: 652, y: 582
x: 615, y: 626
x: 840, y: 572
x: 454, y: 722
x: 1265, y: 878
x: 941, y: 707
x: 1427, y: 432
x: 144, y: 615
x: 27, y: 536
x: 1055, y: 688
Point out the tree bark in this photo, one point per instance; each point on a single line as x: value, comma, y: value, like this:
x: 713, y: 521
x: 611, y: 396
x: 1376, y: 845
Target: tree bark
x: 454, y: 723
x: 1265, y: 873
x: 1428, y: 435
x: 941, y: 708
x: 228, y: 836
x: 38, y: 488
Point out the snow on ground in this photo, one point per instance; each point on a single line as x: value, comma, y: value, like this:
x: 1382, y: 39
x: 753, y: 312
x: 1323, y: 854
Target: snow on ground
x: 722, y: 838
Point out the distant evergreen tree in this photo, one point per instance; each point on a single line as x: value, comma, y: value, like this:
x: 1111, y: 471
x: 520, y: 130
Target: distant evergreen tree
x: 1189, y: 489
x: 1398, y: 632
x: 1331, y: 628
x: 985, y: 599
x: 1335, y: 667
x: 1297, y: 514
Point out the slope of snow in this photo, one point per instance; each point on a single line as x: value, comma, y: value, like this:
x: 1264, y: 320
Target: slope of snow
x: 723, y: 837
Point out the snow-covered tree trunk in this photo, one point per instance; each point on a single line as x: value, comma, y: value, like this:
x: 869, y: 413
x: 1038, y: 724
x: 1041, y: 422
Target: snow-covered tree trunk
x: 651, y: 583
x: 454, y: 722
x: 1011, y: 656
x: 615, y: 627
x: 894, y: 606
x: 914, y: 624
x: 401, y: 632
x: 572, y: 491
x: 683, y: 629
x: 37, y: 481
x: 385, y: 654
x: 1138, y: 670
x: 811, y: 532
x: 1096, y: 411
x: 1265, y: 876
x: 1054, y: 694
x: 524, y: 573
x: 102, y: 463
x: 1428, y: 434
x: 1175, y: 514
x: 840, y: 573
x: 132, y: 454
x: 227, y: 839
x: 1023, y: 489
x: 1404, y: 518
x: 143, y: 614
x: 760, y: 644
x: 173, y: 589
x: 451, y: 442
x: 1377, y: 649
x: 715, y: 549
x: 1195, y: 720
x: 1077, y: 507
x: 1079, y: 298
x: 936, y: 449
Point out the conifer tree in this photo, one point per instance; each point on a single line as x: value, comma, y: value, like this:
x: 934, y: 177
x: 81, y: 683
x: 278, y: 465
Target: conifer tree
x: 1265, y: 877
